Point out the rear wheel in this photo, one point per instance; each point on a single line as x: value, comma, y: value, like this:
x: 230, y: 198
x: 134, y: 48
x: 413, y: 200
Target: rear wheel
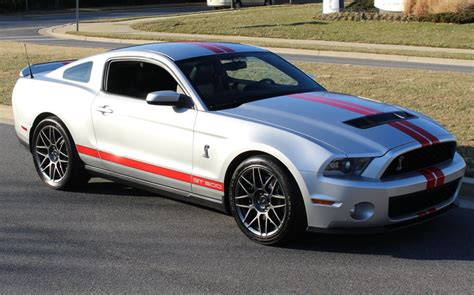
x: 55, y: 156
x: 268, y: 2
x: 265, y: 201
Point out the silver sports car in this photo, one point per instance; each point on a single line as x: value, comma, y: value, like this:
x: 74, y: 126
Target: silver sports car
x: 238, y: 128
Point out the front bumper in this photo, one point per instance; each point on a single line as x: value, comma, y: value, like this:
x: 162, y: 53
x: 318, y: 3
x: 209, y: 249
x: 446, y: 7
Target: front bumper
x: 346, y: 193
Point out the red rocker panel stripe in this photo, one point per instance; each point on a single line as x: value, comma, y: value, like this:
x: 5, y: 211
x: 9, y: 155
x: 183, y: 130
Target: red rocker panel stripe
x: 215, y: 185
x: 145, y: 167
x: 87, y: 151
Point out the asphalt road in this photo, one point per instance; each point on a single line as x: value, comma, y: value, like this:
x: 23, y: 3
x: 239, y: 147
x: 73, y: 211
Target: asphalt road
x: 111, y: 238
x: 25, y: 29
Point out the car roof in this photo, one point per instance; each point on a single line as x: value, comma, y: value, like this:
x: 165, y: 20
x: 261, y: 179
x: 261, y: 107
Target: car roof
x: 184, y: 50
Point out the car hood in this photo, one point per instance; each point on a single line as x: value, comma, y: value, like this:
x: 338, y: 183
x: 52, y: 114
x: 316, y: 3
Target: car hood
x: 321, y: 117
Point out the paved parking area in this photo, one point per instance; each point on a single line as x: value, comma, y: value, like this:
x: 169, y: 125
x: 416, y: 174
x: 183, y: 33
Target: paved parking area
x: 111, y: 238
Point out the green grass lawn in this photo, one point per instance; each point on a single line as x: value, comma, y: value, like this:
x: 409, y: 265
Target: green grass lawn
x: 445, y: 96
x: 296, y: 22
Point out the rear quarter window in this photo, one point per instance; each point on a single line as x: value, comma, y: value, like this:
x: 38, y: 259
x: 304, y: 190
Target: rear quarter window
x: 79, y: 73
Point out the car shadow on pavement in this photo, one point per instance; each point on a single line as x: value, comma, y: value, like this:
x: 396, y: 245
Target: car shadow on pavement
x: 449, y: 237
x: 114, y: 189
x: 106, y: 188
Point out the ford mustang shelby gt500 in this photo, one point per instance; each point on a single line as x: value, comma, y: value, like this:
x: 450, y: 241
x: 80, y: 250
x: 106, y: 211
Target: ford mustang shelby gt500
x: 238, y: 128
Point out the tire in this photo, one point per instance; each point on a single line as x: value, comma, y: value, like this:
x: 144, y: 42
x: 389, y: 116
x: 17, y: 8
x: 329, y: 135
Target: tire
x: 268, y: 2
x: 55, y: 156
x: 266, y: 202
x: 238, y: 4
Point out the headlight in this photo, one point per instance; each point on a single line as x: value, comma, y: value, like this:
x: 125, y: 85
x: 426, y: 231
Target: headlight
x: 347, y: 166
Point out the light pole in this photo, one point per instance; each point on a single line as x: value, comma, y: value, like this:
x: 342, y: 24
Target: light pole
x: 231, y: 4
x: 26, y: 5
x: 77, y: 15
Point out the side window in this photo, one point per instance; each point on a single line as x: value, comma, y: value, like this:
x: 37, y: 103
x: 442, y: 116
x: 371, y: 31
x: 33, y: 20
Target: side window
x: 136, y: 79
x: 79, y: 73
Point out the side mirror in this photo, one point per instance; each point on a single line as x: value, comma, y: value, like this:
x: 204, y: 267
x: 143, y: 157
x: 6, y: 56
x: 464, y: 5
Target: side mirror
x: 167, y: 98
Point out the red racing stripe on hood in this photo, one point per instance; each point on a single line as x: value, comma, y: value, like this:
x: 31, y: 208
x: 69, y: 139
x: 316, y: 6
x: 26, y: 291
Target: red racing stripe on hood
x: 419, y: 134
x: 331, y: 102
x: 424, y: 142
x: 421, y: 131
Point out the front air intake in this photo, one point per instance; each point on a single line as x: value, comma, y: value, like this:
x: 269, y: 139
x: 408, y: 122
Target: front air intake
x: 378, y: 119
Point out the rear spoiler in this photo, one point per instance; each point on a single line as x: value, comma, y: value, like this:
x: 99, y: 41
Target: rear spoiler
x: 44, y: 67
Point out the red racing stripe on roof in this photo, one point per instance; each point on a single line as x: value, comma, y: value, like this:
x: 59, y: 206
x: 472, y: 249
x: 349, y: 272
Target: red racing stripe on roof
x: 208, y: 47
x: 225, y: 48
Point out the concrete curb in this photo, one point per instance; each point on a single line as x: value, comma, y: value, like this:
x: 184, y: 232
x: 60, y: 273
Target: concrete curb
x: 55, y: 33
x: 6, y: 114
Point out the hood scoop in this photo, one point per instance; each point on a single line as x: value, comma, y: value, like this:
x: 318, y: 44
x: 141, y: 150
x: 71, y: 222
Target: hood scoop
x: 370, y: 121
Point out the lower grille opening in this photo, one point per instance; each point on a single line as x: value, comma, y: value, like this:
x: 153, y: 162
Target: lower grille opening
x: 416, y: 202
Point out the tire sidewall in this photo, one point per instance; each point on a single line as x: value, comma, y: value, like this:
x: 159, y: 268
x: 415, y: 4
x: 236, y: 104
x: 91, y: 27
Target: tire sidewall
x: 53, y: 121
x: 291, y: 193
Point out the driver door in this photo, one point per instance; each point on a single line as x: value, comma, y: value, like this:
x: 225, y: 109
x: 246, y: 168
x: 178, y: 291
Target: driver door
x: 152, y: 143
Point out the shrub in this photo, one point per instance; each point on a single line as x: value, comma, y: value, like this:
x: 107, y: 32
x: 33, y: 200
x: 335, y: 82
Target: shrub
x: 464, y: 17
x: 448, y: 17
x: 422, y: 7
x: 361, y: 5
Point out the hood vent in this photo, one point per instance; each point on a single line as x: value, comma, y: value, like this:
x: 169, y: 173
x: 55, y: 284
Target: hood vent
x: 378, y: 119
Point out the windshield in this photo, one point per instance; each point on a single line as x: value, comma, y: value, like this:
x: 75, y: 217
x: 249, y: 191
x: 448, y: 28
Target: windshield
x: 229, y: 80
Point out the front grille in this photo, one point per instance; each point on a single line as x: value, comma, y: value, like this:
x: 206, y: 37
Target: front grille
x: 421, y: 158
x: 416, y: 202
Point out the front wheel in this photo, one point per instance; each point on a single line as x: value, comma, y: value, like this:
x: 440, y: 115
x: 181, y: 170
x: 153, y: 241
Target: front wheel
x: 55, y: 156
x: 265, y: 201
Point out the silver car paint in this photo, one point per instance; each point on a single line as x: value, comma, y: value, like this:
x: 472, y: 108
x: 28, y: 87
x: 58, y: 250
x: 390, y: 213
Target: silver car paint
x: 303, y: 136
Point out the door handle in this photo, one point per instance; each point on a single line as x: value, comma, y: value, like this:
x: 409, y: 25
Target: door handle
x: 104, y: 110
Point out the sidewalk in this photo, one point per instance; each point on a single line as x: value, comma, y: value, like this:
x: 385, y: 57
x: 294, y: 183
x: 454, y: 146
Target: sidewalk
x: 122, y: 32
x: 467, y: 188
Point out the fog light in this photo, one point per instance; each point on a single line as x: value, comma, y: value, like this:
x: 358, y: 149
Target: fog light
x: 362, y: 211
